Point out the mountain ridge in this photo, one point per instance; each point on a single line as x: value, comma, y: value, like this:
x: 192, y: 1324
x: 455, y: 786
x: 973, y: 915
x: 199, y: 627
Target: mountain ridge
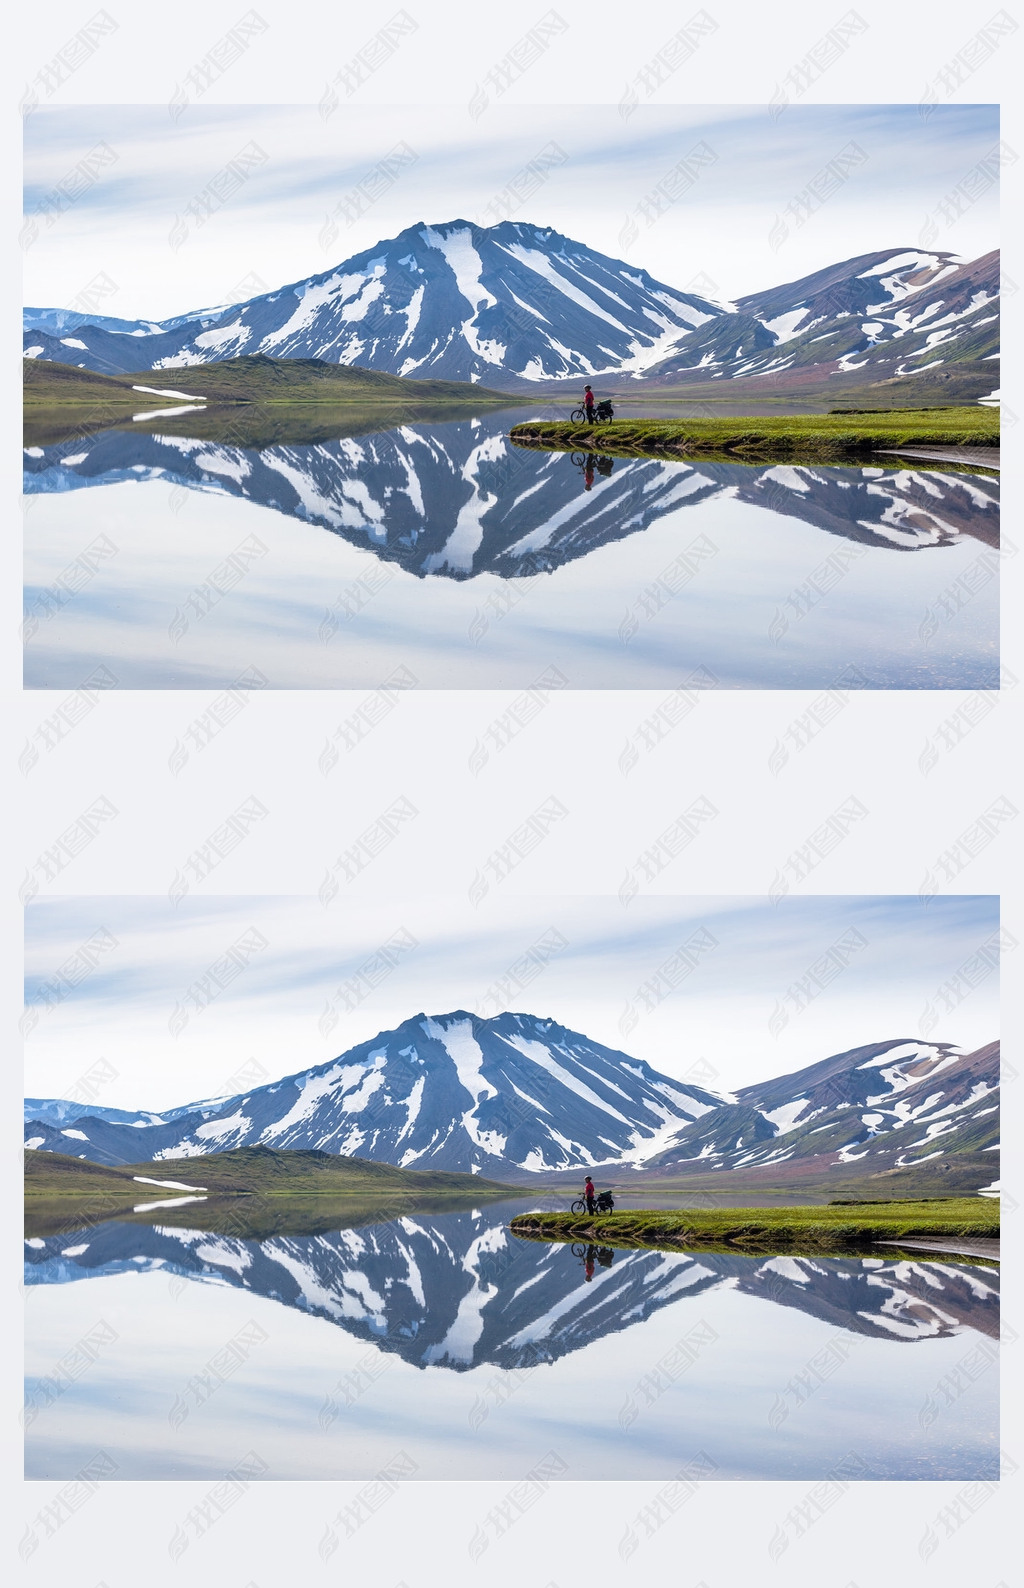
x: 521, y: 305
x: 515, y: 1097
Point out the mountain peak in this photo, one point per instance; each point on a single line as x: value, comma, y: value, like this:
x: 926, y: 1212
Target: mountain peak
x: 514, y: 1094
x: 448, y: 1091
x: 516, y: 303
x: 454, y: 300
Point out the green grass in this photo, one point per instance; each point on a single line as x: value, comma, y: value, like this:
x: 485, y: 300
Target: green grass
x: 834, y: 1226
x: 770, y: 436
x: 255, y: 379
x: 244, y: 1171
x: 250, y: 1192
x: 251, y: 402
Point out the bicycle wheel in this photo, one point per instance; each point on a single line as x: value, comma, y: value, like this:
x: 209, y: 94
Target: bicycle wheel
x: 578, y: 416
x: 579, y: 1206
x: 580, y: 459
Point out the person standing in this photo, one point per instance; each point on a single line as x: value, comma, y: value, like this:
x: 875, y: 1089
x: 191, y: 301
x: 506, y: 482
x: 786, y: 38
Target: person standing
x: 588, y: 403
x: 588, y: 1191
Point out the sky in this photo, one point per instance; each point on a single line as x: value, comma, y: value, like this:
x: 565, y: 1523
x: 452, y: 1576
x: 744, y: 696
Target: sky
x: 726, y: 1011
x: 132, y: 246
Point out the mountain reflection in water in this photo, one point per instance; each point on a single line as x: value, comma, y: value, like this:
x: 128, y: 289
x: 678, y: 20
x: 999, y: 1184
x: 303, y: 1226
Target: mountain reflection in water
x: 473, y: 1352
x: 406, y: 1284
x: 435, y: 554
x: 457, y: 499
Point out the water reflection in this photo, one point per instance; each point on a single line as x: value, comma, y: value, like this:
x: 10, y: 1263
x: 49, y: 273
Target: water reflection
x: 439, y: 552
x: 590, y: 1255
x: 412, y: 1283
x: 457, y: 500
x: 440, y: 1335
x: 591, y: 464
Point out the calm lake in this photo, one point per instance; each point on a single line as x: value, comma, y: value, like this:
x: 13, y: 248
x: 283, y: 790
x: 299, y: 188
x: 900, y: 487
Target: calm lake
x: 436, y: 554
x: 436, y: 1345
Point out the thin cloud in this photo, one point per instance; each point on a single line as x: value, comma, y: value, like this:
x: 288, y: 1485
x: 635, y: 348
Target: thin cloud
x: 271, y: 224
x: 465, y: 958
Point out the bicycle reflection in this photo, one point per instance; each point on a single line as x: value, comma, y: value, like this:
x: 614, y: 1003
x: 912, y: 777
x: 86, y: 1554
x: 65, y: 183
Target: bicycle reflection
x: 590, y: 463
x: 591, y: 1255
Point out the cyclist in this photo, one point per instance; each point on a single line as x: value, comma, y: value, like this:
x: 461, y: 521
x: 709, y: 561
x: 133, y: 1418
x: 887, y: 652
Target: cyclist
x: 590, y: 1194
x: 588, y: 402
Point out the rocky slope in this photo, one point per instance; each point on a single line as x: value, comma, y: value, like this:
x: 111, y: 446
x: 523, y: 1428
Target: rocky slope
x: 889, y: 1106
x: 877, y: 318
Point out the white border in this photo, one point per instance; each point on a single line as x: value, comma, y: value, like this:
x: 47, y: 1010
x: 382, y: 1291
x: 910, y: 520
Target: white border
x: 875, y: 1532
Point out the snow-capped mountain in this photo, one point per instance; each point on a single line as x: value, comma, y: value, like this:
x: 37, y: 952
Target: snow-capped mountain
x: 58, y: 322
x: 445, y: 1092
x: 60, y: 1112
x: 877, y: 317
x: 517, y: 1095
x: 891, y: 1105
x: 453, y: 300
x: 515, y: 304
x: 457, y: 499
x: 408, y: 1285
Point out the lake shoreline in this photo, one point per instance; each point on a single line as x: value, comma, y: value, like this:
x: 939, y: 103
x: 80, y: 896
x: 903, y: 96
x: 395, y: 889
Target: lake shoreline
x: 808, y: 437
x: 835, y: 1228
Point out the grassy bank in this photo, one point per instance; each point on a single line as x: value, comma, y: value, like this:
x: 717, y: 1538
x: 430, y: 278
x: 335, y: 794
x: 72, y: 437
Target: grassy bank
x: 832, y: 1227
x: 808, y: 437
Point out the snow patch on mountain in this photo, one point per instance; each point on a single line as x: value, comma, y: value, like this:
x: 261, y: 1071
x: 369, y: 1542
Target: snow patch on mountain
x: 785, y: 1118
x: 784, y: 326
x: 543, y: 1056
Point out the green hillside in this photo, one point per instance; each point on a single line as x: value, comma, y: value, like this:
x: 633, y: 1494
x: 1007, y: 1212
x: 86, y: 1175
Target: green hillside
x: 255, y: 379
x: 244, y: 1171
